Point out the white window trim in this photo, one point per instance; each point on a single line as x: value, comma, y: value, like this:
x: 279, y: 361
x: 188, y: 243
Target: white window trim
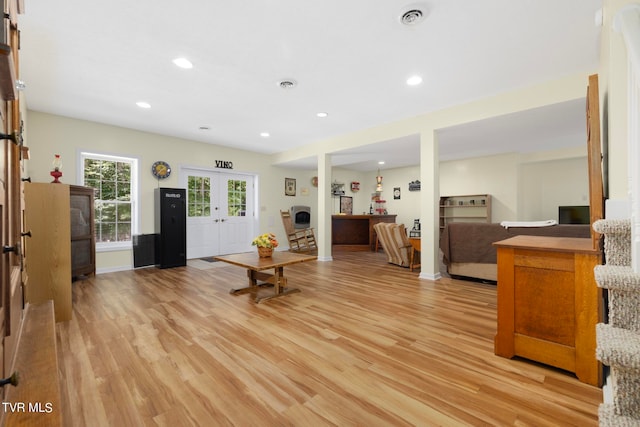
x: 135, y: 216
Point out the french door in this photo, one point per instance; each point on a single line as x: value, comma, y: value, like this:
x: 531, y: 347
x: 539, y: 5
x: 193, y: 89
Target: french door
x: 220, y: 212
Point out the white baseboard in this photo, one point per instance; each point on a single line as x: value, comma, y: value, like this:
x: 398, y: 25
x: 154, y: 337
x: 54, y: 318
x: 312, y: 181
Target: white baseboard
x: 114, y: 269
x: 432, y: 277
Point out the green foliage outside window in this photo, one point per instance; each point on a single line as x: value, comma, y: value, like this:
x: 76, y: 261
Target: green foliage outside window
x: 113, y: 205
x: 237, y: 197
x: 199, y: 197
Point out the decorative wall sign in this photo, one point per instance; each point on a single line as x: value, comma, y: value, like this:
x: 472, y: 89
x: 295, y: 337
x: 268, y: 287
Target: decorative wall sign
x: 289, y: 186
x: 224, y: 164
x: 414, y: 185
x: 355, y: 186
x: 396, y: 193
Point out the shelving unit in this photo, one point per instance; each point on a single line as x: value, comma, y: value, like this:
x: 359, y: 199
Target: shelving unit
x: 378, y: 204
x: 469, y: 208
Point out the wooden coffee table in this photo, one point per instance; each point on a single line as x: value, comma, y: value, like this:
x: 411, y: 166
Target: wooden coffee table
x: 255, y: 271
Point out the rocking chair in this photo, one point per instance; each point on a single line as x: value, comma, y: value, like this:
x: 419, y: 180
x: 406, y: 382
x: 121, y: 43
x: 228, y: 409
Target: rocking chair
x: 300, y: 240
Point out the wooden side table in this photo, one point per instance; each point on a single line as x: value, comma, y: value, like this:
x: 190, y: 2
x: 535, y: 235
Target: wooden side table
x: 415, y: 247
x: 549, y: 303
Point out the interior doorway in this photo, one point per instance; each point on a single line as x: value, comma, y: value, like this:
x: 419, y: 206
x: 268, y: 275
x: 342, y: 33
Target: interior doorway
x: 221, y: 213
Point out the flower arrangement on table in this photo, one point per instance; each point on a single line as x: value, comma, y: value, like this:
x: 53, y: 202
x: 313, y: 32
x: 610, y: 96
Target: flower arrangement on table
x: 266, y: 243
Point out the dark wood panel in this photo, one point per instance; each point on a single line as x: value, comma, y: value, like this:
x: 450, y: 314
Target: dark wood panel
x: 356, y: 232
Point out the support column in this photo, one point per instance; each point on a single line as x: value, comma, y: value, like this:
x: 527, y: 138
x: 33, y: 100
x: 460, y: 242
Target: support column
x: 429, y: 212
x: 324, y: 208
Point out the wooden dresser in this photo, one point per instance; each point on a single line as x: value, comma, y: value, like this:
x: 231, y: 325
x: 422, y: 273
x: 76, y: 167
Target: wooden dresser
x: 549, y: 303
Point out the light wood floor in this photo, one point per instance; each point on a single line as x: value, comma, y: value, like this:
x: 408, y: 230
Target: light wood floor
x: 365, y: 343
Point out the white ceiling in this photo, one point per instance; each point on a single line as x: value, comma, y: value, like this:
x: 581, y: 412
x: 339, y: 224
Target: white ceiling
x: 94, y: 60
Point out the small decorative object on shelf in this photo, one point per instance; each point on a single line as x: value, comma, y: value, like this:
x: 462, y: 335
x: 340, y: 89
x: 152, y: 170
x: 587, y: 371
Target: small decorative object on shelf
x: 378, y: 204
x: 265, y: 243
x: 415, y: 231
x: 56, y: 173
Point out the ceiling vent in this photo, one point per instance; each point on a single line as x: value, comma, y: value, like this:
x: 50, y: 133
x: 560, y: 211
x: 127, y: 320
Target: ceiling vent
x: 411, y: 17
x: 287, y: 84
x: 413, y: 14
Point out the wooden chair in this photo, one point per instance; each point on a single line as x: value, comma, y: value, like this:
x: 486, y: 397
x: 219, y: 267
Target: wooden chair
x: 301, y: 239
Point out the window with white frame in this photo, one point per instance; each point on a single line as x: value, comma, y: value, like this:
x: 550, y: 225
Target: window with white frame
x: 114, y: 179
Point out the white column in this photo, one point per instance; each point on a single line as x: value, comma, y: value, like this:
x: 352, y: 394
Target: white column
x: 429, y: 212
x: 324, y: 208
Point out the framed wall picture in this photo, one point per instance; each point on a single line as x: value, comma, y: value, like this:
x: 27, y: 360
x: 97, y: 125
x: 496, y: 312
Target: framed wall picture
x: 289, y: 186
x: 346, y: 205
x: 396, y: 193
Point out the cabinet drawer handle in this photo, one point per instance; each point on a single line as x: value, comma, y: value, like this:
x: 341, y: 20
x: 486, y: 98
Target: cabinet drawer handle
x: 27, y: 179
x: 27, y: 234
x: 14, y: 379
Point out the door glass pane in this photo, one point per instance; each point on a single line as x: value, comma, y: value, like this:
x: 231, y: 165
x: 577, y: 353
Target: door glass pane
x: 199, y: 196
x: 237, y: 197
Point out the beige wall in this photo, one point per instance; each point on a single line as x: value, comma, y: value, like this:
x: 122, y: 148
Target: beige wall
x: 546, y: 185
x: 49, y: 134
x: 496, y: 175
x: 523, y: 187
x: 499, y: 176
x: 613, y: 99
x: 567, y: 88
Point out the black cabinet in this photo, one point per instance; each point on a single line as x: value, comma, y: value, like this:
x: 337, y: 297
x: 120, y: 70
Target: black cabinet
x: 171, y: 227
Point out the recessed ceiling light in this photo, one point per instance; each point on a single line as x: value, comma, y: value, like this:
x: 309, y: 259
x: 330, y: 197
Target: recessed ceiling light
x: 264, y: 134
x: 322, y: 114
x: 381, y: 162
x: 143, y: 104
x: 183, y: 63
x: 414, y: 80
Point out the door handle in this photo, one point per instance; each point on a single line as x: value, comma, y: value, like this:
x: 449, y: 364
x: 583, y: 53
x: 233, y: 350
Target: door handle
x: 216, y: 220
x: 15, y: 249
x: 223, y: 220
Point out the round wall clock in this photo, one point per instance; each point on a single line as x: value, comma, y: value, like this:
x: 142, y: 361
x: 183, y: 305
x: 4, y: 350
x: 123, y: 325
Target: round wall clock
x: 161, y: 170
